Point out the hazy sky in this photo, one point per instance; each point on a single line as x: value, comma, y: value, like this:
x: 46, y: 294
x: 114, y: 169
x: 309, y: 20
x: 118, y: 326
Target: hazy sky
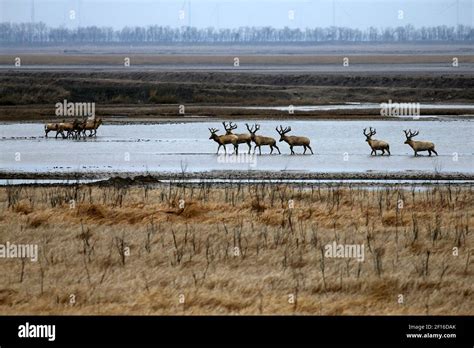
x: 235, y: 13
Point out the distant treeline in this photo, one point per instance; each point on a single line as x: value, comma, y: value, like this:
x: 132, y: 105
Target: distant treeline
x: 41, y: 33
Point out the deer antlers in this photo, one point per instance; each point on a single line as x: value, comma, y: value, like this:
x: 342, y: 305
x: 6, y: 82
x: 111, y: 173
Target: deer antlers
x: 253, y: 129
x: 213, y: 130
x: 409, y: 134
x: 370, y: 133
x: 282, y: 131
x: 229, y: 128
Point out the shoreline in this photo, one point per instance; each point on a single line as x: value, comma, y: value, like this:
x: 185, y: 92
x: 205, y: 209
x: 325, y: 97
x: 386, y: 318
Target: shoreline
x: 242, y: 176
x: 156, y: 114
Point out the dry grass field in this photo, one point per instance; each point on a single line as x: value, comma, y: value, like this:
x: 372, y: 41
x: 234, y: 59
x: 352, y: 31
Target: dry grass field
x: 237, y: 249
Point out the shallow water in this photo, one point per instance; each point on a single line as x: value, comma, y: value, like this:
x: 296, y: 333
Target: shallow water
x: 8, y: 182
x: 358, y: 106
x: 339, y: 146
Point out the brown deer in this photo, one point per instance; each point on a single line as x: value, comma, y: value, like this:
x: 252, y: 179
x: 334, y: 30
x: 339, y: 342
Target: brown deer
x: 97, y: 124
x: 418, y: 146
x: 224, y: 140
x: 79, y: 129
x: 376, y: 144
x: 261, y: 140
x: 50, y: 127
x: 67, y: 127
x: 92, y: 126
x: 241, y: 138
x: 294, y: 140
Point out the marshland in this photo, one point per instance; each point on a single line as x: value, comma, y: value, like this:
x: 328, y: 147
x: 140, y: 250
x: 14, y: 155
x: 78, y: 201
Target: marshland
x: 202, y: 233
x: 202, y: 248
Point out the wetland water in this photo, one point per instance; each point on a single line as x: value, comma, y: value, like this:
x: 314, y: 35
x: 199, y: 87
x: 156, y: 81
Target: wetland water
x: 339, y: 147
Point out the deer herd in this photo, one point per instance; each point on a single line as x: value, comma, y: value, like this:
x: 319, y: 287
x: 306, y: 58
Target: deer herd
x: 229, y: 138
x: 77, y: 129
x: 74, y: 129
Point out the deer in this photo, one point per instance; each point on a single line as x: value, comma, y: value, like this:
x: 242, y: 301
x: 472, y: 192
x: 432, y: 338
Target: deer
x: 224, y: 140
x: 64, y: 126
x: 79, y: 128
x: 67, y: 129
x: 50, y: 127
x: 261, y: 140
x: 294, y: 140
x: 376, y: 144
x: 59, y: 128
x: 241, y: 138
x: 91, y: 126
x: 97, y: 124
x: 70, y: 128
x: 418, y: 146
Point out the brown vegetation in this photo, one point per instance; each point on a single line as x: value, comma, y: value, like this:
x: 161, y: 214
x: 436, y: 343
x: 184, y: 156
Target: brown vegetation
x: 192, y: 88
x: 226, y: 59
x: 237, y: 249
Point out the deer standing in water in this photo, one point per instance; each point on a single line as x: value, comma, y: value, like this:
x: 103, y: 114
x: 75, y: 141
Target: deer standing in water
x: 376, y: 144
x: 261, y: 140
x: 241, y: 138
x: 91, y: 126
x: 67, y: 127
x: 294, y: 140
x: 51, y: 127
x: 418, y: 146
x: 79, y: 129
x: 224, y: 140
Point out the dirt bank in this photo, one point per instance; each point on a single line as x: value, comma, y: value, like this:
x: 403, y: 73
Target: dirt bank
x: 134, y: 178
x: 155, y: 96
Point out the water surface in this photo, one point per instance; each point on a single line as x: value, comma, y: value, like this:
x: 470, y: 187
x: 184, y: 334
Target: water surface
x: 339, y: 146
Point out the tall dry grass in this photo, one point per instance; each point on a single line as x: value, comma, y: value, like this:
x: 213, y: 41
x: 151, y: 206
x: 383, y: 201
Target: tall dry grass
x: 237, y: 249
